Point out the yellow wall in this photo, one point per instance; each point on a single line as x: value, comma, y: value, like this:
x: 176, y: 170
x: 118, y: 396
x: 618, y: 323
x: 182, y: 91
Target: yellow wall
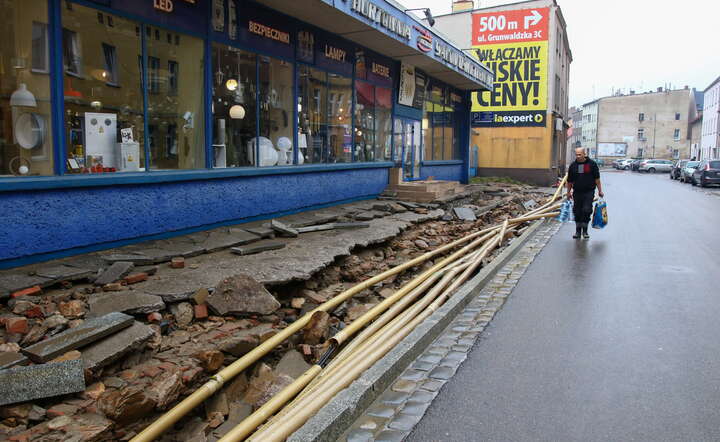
x: 514, y: 147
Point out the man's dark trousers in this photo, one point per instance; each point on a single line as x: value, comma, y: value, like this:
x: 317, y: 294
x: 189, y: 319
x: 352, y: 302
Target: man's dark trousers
x: 582, y: 206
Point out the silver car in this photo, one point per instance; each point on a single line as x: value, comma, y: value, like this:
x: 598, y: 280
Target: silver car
x: 652, y: 166
x: 687, y: 171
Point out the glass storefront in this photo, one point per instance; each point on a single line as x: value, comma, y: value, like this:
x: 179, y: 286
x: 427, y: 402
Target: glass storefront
x: 26, y: 142
x: 133, y: 94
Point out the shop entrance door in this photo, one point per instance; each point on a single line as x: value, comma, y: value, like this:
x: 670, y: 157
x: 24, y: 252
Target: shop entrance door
x: 407, y: 145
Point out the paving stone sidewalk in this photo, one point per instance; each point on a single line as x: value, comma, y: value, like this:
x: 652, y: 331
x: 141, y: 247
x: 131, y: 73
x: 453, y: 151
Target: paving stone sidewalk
x: 397, y: 410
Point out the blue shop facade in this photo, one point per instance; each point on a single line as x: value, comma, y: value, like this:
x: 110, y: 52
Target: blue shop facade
x: 129, y: 120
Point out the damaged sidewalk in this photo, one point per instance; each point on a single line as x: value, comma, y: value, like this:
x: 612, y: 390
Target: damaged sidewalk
x: 110, y: 338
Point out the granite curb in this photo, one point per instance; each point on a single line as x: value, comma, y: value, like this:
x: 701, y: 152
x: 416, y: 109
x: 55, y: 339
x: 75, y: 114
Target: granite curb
x: 342, y: 411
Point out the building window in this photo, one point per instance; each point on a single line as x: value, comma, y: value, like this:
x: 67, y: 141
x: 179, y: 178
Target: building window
x: 173, y: 76
x: 111, y: 68
x: 676, y: 134
x: 26, y: 142
x: 439, y: 127
x: 72, y: 57
x: 97, y: 113
x: 676, y: 153
x: 153, y: 75
x: 641, y: 116
x: 373, y: 122
x: 235, y: 108
x: 677, y: 116
x: 40, y: 58
x: 179, y: 119
x: 641, y: 134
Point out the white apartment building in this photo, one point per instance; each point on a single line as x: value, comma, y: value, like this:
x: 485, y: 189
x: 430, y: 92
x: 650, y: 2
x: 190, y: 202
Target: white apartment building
x: 589, y: 127
x: 711, y: 110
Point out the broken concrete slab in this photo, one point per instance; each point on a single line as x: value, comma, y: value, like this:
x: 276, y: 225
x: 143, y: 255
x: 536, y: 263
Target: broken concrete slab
x: 63, y: 273
x: 529, y: 204
x: 350, y: 225
x: 114, y: 347
x: 241, y: 294
x: 20, y: 384
x: 308, y: 219
x: 10, y: 359
x: 125, y: 302
x: 260, y: 246
x: 89, y: 331
x: 408, y: 205
x: 12, y: 282
x: 117, y: 271
x: 225, y: 238
x: 135, y: 258
x: 364, y: 216
x: 283, y: 229
x: 261, y: 231
x: 464, y: 213
x: 332, y: 226
x: 292, y: 364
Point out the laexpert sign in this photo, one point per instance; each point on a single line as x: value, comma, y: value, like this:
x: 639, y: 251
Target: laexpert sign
x: 513, y: 44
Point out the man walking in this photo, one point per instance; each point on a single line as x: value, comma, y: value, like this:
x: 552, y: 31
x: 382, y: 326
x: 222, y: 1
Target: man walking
x: 583, y: 178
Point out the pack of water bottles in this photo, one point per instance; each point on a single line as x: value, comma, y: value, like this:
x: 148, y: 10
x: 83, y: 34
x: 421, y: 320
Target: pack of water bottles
x: 566, y: 212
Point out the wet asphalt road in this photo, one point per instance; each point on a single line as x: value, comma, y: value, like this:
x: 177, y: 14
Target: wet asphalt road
x: 612, y: 339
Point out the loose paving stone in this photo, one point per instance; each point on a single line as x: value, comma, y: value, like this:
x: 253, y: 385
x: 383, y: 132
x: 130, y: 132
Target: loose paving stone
x: 464, y: 213
x: 64, y: 273
x: 364, y: 216
x: 422, y: 396
x: 10, y: 283
x: 135, y: 258
x: 432, y: 385
x: 423, y: 366
x: 89, y: 331
x: 261, y: 246
x: 126, y: 302
x: 241, y: 294
x: 10, y: 359
x: 413, y: 375
x: 404, y: 386
x: 117, y: 271
x: 262, y: 232
x: 20, y: 384
x: 225, y: 238
x: 114, y: 347
x: 283, y: 229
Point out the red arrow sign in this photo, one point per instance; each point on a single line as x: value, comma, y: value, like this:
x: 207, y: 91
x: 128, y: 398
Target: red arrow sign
x: 510, y: 26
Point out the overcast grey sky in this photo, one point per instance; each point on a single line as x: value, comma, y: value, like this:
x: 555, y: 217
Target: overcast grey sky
x: 631, y: 44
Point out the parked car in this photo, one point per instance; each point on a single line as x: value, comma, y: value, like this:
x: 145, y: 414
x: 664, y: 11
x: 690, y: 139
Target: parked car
x: 686, y: 173
x: 616, y: 163
x: 652, y: 166
x: 677, y: 169
x: 707, y: 172
x: 635, y: 164
x: 624, y: 164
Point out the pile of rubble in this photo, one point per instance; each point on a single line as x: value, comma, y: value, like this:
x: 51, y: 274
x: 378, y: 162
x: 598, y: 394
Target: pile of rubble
x: 96, y: 353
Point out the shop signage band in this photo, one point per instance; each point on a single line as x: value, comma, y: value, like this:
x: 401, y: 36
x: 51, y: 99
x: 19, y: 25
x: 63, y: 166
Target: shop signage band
x: 457, y: 59
x: 268, y: 32
x: 382, y: 17
x: 167, y: 5
x: 335, y: 53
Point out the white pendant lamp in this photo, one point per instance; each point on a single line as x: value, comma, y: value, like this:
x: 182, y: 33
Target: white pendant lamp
x: 23, y: 97
x: 237, y: 112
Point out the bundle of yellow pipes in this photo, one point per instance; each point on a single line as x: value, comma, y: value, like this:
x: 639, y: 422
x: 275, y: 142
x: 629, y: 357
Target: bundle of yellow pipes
x: 392, y: 320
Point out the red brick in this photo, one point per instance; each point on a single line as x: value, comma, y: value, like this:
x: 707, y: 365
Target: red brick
x: 168, y: 366
x: 152, y: 371
x: 177, y: 262
x: 201, y: 311
x: 191, y: 374
x: 129, y: 375
x: 34, y: 290
x: 34, y: 312
x: 134, y: 278
x: 154, y: 317
x: 16, y: 325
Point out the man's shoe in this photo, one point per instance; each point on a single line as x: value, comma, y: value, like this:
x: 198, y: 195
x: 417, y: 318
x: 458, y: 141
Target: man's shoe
x: 585, y: 235
x: 576, y: 235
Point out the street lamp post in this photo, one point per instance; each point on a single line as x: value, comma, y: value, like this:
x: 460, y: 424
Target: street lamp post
x: 654, y: 129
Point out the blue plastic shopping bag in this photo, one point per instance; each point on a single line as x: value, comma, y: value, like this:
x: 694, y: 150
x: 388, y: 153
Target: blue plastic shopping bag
x: 600, y: 215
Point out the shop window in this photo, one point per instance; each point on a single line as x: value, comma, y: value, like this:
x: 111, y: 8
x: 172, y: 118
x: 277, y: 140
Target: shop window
x: 104, y: 124
x: 40, y: 57
x: 365, y: 145
x: 383, y: 123
x: 312, y: 115
x: 234, y: 107
x: 438, y: 131
x: 440, y: 128
x: 276, y: 111
x: 179, y: 118
x: 72, y: 57
x: 26, y: 143
x: 339, y: 119
x: 111, y: 69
